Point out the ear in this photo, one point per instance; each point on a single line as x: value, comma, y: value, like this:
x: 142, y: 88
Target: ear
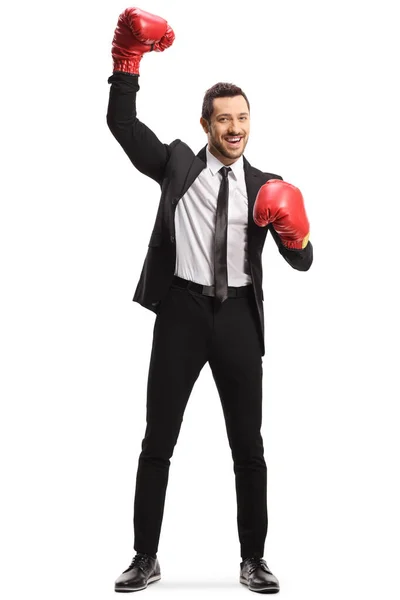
x: 204, y: 124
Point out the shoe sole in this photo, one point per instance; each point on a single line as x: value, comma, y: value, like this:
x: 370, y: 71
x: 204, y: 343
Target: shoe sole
x: 136, y: 589
x: 268, y: 590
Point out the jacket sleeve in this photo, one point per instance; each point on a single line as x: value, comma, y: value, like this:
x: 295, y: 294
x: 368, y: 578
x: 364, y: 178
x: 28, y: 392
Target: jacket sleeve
x: 298, y: 259
x: 144, y: 149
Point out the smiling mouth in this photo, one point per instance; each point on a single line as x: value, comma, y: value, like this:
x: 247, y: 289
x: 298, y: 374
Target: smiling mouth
x: 234, y: 140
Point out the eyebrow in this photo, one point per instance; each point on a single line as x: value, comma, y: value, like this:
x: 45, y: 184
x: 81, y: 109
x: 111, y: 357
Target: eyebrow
x: 229, y: 114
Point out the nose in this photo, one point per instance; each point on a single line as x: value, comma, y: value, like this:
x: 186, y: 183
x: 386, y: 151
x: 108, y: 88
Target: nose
x: 235, y: 127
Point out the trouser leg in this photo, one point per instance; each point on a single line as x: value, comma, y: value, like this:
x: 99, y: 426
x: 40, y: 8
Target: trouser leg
x: 236, y: 364
x: 177, y: 357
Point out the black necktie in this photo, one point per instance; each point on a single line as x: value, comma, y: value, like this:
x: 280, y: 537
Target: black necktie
x: 221, y: 234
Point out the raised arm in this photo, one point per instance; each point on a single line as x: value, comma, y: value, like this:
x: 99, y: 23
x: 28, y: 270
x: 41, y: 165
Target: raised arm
x: 137, y: 32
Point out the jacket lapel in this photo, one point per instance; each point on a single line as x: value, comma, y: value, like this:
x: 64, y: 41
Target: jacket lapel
x: 254, y: 180
x: 198, y: 164
x: 253, y: 183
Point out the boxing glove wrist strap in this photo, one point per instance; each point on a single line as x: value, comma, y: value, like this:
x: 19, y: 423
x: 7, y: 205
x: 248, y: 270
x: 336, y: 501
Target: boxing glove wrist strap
x: 128, y: 65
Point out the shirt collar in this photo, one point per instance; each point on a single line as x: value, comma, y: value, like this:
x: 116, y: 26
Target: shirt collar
x: 214, y: 164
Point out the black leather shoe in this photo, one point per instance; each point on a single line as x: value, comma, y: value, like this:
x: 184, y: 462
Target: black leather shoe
x: 255, y: 573
x: 143, y: 569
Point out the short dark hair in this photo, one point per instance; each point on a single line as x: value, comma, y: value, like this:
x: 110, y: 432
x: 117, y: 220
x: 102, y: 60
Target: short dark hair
x: 220, y: 90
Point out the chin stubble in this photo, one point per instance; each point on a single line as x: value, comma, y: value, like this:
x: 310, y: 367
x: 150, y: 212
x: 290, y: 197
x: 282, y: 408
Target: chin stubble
x: 222, y: 150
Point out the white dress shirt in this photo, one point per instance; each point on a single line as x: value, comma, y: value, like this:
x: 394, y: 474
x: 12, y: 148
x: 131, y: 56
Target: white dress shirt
x: 195, y: 218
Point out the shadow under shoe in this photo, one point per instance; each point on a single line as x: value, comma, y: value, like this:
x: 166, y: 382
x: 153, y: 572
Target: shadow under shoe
x: 254, y: 573
x: 144, y: 569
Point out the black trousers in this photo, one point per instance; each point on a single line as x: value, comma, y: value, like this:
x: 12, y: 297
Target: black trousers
x: 191, y: 329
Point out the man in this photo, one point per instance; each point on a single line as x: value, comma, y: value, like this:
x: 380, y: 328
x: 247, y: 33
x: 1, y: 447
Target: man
x: 202, y: 276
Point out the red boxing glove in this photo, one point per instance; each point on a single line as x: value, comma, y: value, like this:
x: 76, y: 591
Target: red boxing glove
x: 166, y: 41
x: 138, y: 32
x: 282, y: 205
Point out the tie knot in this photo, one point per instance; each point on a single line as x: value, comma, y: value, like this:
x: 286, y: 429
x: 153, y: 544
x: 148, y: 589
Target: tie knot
x: 224, y: 171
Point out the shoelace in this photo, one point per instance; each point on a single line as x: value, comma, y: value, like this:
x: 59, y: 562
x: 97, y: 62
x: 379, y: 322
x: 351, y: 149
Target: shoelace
x: 257, y: 562
x: 141, y: 561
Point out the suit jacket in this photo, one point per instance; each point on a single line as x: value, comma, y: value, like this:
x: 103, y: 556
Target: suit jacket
x: 175, y: 167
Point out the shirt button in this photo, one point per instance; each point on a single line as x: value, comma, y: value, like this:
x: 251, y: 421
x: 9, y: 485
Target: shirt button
x: 172, y: 238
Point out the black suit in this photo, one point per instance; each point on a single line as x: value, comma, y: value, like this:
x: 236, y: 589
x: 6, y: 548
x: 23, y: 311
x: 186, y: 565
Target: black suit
x: 187, y: 334
x: 175, y: 167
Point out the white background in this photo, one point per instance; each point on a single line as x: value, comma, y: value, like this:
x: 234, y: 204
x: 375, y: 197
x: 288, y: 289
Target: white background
x: 76, y: 217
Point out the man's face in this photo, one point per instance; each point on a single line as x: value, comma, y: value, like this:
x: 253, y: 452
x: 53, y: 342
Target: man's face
x: 229, y: 129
